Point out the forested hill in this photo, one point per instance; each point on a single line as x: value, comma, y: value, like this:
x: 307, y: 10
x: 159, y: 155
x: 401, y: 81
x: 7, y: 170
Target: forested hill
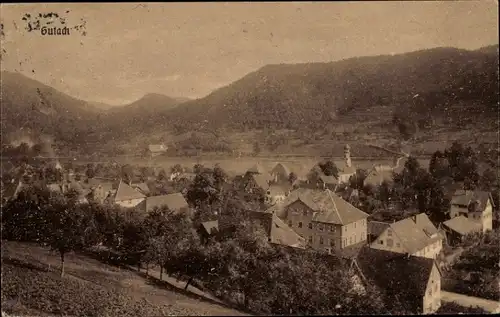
x: 312, y: 95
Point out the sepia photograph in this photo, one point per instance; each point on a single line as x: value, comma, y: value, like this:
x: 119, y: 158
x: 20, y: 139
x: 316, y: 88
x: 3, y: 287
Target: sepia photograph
x: 250, y: 158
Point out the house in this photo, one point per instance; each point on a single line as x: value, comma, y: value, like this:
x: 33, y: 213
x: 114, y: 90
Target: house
x: 277, y: 193
x: 460, y: 227
x: 375, y: 229
x: 125, y: 196
x: 475, y: 205
x: 346, y: 170
x: 280, y: 173
x: 156, y: 149
x: 328, y: 222
x: 174, y: 202
x: 415, y: 235
x: 414, y: 281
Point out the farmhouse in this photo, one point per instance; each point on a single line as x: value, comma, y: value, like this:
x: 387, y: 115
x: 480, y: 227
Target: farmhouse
x: 126, y: 196
x: 328, y: 222
x: 474, y: 205
x: 280, y: 173
x: 415, y: 235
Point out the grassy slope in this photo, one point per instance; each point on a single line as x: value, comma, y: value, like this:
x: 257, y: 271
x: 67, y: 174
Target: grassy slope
x: 31, y: 285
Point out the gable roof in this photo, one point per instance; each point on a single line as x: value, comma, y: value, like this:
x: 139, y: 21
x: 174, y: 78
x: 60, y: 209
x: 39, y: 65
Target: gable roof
x: 327, y: 206
x: 175, y: 202
x: 416, y: 232
x: 157, y: 148
x: 125, y: 192
x: 463, y: 197
x: 210, y: 226
x: 394, y: 272
x: 261, y: 181
x: 277, y: 231
x: 462, y: 225
x: 280, y: 168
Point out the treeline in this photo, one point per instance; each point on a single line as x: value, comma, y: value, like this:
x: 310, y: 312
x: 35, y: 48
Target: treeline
x: 416, y: 189
x: 240, y: 266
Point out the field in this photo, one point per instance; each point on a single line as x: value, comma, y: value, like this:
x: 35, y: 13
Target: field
x: 31, y: 285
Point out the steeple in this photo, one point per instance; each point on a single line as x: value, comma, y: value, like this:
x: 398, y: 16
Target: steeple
x: 347, y: 155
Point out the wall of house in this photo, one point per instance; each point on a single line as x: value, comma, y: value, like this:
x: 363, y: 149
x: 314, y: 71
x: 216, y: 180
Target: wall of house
x: 388, y: 241
x: 344, y: 178
x: 431, y: 251
x: 129, y: 203
x: 432, y: 297
x: 353, y: 233
x: 299, y: 218
x: 325, y: 236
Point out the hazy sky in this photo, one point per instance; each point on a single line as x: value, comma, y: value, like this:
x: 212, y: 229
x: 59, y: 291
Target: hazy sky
x: 190, y: 49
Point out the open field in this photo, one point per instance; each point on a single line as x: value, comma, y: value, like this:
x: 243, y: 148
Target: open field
x: 31, y: 285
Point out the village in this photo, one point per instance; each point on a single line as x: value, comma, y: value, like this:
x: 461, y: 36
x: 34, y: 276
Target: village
x: 390, y: 225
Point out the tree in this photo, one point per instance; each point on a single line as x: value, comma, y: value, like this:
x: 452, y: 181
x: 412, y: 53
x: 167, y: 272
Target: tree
x: 329, y: 168
x: 162, y: 176
x: 68, y: 226
x: 177, y: 168
x: 438, y: 165
x: 357, y: 180
x: 292, y: 177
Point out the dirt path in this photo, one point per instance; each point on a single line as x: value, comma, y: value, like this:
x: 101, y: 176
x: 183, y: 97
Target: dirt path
x: 464, y: 300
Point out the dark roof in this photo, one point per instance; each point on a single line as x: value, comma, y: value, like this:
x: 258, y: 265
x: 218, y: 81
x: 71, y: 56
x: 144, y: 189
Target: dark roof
x: 462, y: 225
x: 174, y: 202
x: 396, y: 273
x: 329, y: 180
x: 463, y: 197
x: 210, y: 226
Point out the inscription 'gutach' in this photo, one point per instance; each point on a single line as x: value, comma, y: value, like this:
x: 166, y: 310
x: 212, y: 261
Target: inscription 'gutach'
x: 54, y: 31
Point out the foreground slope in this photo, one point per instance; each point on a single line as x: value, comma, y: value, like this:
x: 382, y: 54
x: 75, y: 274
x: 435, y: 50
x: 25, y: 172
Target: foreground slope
x: 31, y: 285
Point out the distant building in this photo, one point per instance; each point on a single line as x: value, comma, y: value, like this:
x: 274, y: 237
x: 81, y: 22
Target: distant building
x: 415, y: 235
x: 280, y: 173
x: 346, y: 170
x: 325, y: 220
x: 156, y: 149
x: 414, y: 281
x: 475, y: 205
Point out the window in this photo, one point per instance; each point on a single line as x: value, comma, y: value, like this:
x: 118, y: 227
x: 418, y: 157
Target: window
x: 354, y: 238
x: 350, y: 240
x: 320, y: 240
x: 310, y: 225
x: 320, y: 227
x: 381, y: 241
x: 332, y: 243
x: 305, y: 212
x: 398, y: 245
x: 310, y: 239
x: 332, y: 228
x: 389, y: 243
x: 389, y: 233
x: 345, y: 229
x: 354, y: 225
x: 300, y: 224
x: 289, y: 223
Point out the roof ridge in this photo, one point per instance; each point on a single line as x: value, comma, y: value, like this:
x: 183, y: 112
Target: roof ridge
x: 334, y: 205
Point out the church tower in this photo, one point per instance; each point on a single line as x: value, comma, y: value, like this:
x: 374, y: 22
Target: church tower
x: 347, y: 155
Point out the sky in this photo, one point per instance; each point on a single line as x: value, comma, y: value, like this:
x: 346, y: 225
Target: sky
x: 191, y: 49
